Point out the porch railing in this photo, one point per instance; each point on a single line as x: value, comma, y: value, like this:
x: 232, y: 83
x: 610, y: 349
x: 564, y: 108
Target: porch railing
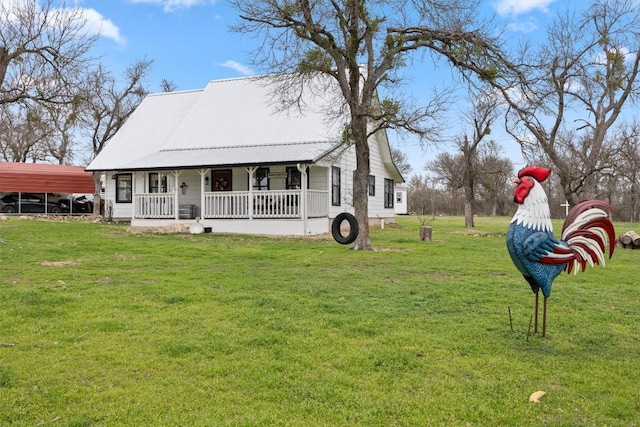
x: 235, y: 204
x: 154, y: 205
x: 232, y: 204
x: 280, y: 204
x: 266, y: 204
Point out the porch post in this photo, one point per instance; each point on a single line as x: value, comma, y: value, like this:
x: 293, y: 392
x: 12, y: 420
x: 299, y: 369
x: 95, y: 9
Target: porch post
x: 251, y: 170
x: 134, y: 191
x: 303, y: 197
x: 202, y: 172
x: 176, y: 202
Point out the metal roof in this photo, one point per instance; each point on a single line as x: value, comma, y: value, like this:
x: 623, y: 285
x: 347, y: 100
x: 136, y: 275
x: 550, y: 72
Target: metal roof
x: 230, y: 122
x: 147, y: 129
x: 45, y: 178
x: 308, y: 152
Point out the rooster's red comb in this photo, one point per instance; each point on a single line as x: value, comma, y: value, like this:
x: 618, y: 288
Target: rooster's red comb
x: 537, y: 172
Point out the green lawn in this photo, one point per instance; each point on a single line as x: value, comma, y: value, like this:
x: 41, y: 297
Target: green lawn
x: 101, y: 327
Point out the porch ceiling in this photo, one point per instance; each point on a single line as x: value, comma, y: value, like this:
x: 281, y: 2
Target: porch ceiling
x: 307, y: 152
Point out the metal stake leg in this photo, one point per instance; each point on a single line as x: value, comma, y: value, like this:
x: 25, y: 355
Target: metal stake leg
x: 544, y: 318
x: 535, y: 323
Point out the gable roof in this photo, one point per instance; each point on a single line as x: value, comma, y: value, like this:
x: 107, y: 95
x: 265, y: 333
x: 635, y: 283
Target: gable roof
x: 45, y: 178
x: 229, y: 122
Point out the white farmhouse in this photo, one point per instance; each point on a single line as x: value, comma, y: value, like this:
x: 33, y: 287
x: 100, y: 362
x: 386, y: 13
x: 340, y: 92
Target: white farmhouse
x: 228, y: 157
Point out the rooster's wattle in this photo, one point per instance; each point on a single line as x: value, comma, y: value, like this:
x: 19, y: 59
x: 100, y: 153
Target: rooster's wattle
x: 587, y: 234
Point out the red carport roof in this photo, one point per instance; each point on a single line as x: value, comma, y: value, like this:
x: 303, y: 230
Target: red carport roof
x: 45, y: 178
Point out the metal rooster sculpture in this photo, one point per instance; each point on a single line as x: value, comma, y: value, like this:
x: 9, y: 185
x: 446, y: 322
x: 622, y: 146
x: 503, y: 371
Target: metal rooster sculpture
x: 587, y: 234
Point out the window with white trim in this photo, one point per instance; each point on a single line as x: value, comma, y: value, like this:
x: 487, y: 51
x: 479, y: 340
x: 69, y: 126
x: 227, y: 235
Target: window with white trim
x: 388, y: 193
x: 335, y: 186
x: 124, y: 188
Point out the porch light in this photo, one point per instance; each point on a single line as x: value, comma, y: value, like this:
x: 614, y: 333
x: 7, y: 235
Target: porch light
x: 206, y: 180
x: 184, y: 187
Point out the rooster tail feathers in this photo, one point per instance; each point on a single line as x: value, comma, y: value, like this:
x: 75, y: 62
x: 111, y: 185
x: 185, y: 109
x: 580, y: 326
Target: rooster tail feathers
x: 583, y: 206
x: 589, y: 233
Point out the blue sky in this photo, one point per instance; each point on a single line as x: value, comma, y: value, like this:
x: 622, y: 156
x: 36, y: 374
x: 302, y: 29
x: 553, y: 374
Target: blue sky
x: 190, y: 44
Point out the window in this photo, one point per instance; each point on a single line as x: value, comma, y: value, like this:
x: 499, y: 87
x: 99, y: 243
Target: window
x: 335, y: 186
x: 388, y: 193
x: 399, y: 197
x: 294, y: 178
x: 157, y: 183
x: 372, y: 185
x: 261, y: 179
x: 124, y: 188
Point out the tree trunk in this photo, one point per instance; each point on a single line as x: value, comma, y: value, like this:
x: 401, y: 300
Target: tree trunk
x: 97, y: 198
x: 469, y: 152
x: 468, y: 213
x: 633, y: 216
x: 468, y: 202
x: 425, y: 233
x: 361, y: 183
x: 4, y: 64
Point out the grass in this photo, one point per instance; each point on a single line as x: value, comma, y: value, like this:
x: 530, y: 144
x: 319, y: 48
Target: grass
x: 101, y: 327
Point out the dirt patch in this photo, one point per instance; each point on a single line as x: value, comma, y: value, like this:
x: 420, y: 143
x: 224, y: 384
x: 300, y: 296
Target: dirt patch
x: 168, y: 229
x: 481, y: 233
x: 59, y: 263
x: 471, y: 232
x: 388, y: 249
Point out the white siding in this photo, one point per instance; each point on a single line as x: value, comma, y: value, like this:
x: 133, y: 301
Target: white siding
x: 347, y: 164
x: 376, y: 203
x: 346, y: 161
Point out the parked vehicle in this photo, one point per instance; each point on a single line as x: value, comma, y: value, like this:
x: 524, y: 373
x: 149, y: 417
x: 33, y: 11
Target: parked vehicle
x: 27, y: 203
x: 81, y: 204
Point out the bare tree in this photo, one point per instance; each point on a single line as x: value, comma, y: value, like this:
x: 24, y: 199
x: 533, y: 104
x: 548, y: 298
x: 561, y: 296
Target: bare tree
x: 109, y: 103
x: 448, y: 170
x: 569, y: 92
x: 423, y: 196
x: 24, y: 132
x: 361, y: 45
x: 462, y: 171
x: 494, y: 173
x: 482, y: 115
x: 628, y: 170
x: 168, y: 85
x: 401, y: 161
x: 64, y: 119
x: 43, y: 51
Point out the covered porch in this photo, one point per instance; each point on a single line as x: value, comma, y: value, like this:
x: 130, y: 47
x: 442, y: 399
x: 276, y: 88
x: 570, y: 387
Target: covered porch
x: 212, y: 197
x: 235, y: 205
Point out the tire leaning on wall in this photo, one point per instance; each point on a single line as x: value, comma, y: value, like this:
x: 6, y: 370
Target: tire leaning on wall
x: 353, y: 228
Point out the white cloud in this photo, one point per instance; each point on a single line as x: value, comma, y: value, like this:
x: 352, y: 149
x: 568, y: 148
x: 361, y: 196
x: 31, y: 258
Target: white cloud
x: 95, y: 23
x: 98, y: 24
x: 527, y: 26
x: 245, y: 71
x: 519, y: 7
x: 174, y: 5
